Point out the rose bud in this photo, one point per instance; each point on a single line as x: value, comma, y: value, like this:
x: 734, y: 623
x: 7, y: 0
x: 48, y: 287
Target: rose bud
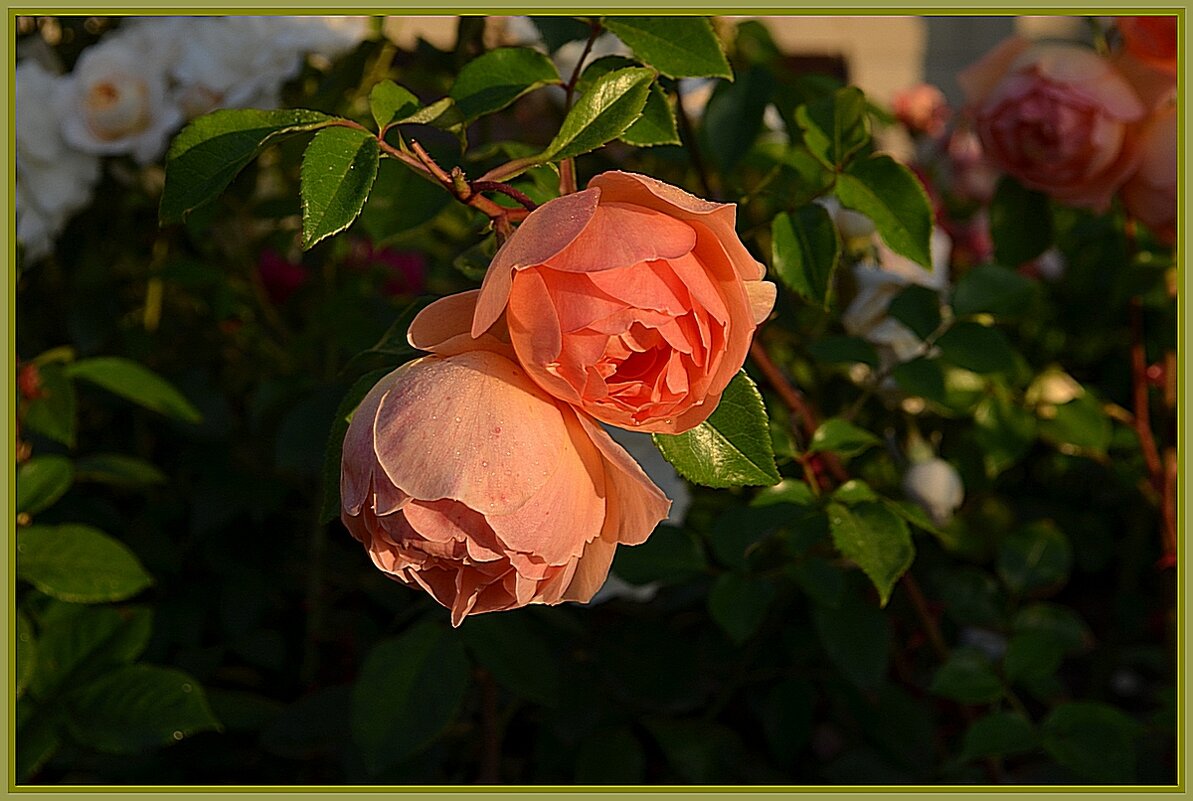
x: 922, y: 109
x: 1150, y: 195
x: 1058, y: 117
x: 632, y: 300
x: 461, y: 476
x: 936, y: 486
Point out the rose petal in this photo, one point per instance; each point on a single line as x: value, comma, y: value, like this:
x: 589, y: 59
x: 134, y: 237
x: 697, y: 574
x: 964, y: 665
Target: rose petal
x: 358, y: 460
x: 620, y: 235
x: 545, y: 232
x: 471, y: 428
x: 444, y: 327
x: 640, y: 504
x: 591, y: 570
x: 566, y: 513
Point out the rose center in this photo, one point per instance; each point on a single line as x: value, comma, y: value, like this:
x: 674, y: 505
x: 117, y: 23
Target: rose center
x: 116, y: 108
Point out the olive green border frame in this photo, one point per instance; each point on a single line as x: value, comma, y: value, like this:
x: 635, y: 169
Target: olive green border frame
x: 675, y: 7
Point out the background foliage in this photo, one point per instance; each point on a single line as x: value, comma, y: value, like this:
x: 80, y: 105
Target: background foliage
x: 183, y: 597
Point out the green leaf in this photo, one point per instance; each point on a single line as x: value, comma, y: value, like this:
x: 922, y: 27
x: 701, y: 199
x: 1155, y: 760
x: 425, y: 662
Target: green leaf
x: 733, y: 117
x: 1060, y: 623
x: 1020, y: 223
x: 840, y: 436
x: 136, y: 383
x: 843, y: 350
x: 738, y: 603
x: 700, y: 752
x: 671, y: 555
x: 789, y: 490
x: 117, y: 470
x: 26, y: 653
x: 1004, y: 432
x: 972, y: 597
x: 1035, y: 557
x: 854, y: 491
x: 876, y: 539
x: 820, y: 580
x: 78, y: 643
x: 857, y: 639
x: 391, y: 104
x: 41, y: 481
x: 52, y: 414
x: 805, y: 251
x: 519, y: 658
x: 400, y: 201
x: 407, y: 692
x: 338, y: 170
x: 1080, y: 424
x: 1031, y: 656
x: 601, y: 114
x: 976, y: 347
x: 890, y: 195
x: 678, y: 47
x: 918, y: 308
x: 330, y: 509
x: 393, y: 349
x: 732, y: 447
x: 138, y: 707
x: 497, y: 78
x: 558, y: 31
x: 207, y: 154
x: 992, y: 289
x: 1094, y: 740
x: 999, y: 734
x: 914, y: 514
x: 967, y: 677
x: 610, y: 756
x: 79, y: 564
x: 657, y: 125
x: 922, y: 377
x: 441, y: 114
x: 835, y: 127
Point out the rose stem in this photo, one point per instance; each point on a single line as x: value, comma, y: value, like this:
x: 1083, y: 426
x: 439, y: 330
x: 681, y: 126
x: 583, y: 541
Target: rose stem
x: 567, y: 167
x: 1140, y: 401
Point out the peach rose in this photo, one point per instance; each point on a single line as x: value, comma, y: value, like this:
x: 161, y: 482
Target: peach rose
x: 461, y: 476
x: 1058, y: 117
x: 1150, y: 194
x: 1152, y: 40
x: 632, y: 300
x: 923, y: 109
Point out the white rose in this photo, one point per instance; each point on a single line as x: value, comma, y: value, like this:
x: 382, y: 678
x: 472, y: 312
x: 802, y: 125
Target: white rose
x: 233, y: 62
x: 936, y: 486
x: 53, y: 181
x: 115, y: 102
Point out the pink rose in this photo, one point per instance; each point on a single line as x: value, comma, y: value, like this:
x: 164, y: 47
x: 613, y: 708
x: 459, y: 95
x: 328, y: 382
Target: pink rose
x: 1058, y: 117
x: 632, y: 300
x: 461, y: 476
x: 280, y: 276
x: 923, y: 109
x: 1150, y: 194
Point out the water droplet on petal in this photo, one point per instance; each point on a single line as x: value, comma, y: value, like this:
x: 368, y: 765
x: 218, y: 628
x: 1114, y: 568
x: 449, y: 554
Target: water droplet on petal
x: 457, y: 419
x: 484, y: 464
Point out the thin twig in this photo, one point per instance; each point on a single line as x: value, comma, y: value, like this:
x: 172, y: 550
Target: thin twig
x: 505, y: 189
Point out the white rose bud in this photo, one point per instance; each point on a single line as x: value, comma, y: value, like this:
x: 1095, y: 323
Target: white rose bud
x: 936, y: 486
